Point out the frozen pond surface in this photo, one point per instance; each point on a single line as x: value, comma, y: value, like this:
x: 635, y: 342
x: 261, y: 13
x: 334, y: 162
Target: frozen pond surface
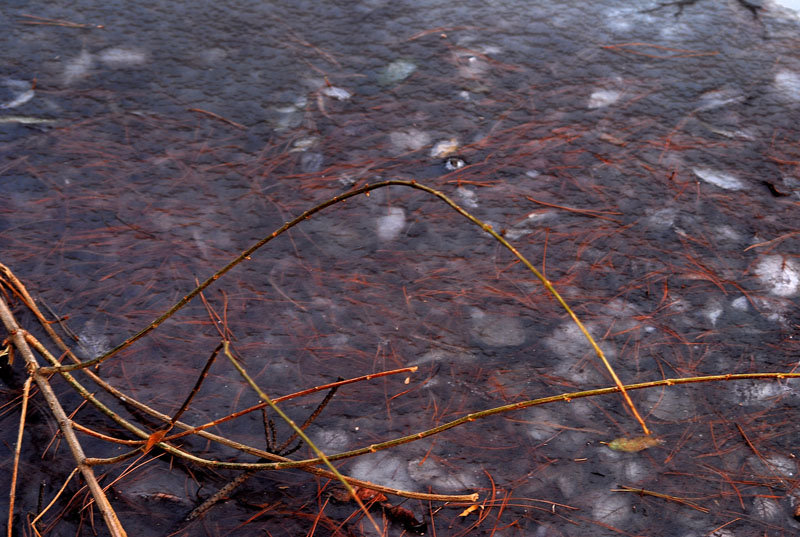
x: 643, y: 154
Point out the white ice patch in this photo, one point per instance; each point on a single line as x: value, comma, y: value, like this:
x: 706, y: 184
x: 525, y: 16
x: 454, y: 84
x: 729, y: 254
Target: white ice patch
x: 740, y: 303
x: 390, y: 225
x: 718, y: 178
x: 787, y: 83
x: 468, y: 197
x: 408, y: 140
x: 718, y: 98
x: 395, y: 72
x: 440, y: 476
x: 497, y: 330
x: 791, y: 4
x: 78, y: 67
x: 603, y: 97
x: 713, y: 311
x: 611, y: 509
x: 774, y: 464
x: 331, y: 440
x: 383, y: 468
x: 121, y: 58
x: 670, y: 404
x: 780, y: 275
x: 92, y: 341
x: 337, y: 93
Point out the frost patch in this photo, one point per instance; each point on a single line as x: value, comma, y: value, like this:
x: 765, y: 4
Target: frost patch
x: 787, y: 83
x: 717, y: 178
x: 601, y: 98
x: 120, y: 58
x: 390, y: 225
x: 781, y: 276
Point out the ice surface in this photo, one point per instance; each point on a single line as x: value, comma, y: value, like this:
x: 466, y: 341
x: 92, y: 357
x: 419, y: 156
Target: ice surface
x: 78, y: 67
x: 120, y: 58
x: 718, y: 98
x: 467, y: 197
x: 497, y: 330
x: 780, y: 275
x: 611, y: 508
x: 395, y: 72
x: 92, y: 341
x: 673, y: 403
x: 763, y: 392
x: 337, y: 93
x: 791, y: 4
x: 391, y: 224
x: 774, y: 465
x: 787, y: 84
x: 603, y: 97
x: 718, y: 178
x: 442, y: 477
x: 528, y: 225
x: 383, y: 468
x: 712, y: 311
x: 332, y: 440
x: 311, y: 162
x: 408, y: 140
x: 740, y: 303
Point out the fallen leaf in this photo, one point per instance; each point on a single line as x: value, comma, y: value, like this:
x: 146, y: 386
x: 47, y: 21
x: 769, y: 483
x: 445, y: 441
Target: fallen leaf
x: 632, y: 445
x: 468, y: 510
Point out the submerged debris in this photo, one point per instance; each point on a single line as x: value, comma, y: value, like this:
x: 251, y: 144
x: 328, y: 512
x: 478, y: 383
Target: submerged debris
x: 634, y: 444
x: 445, y: 148
x: 395, y: 72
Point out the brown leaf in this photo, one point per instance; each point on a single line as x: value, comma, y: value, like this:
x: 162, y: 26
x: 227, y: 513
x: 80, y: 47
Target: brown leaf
x: 634, y: 444
x: 154, y: 439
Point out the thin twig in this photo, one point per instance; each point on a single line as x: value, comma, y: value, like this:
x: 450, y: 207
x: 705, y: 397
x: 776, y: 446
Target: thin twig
x: 18, y: 337
x: 337, y: 199
x: 26, y: 390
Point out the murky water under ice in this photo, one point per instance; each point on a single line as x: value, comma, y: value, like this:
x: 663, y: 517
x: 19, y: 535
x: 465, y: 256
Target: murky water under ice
x: 644, y: 155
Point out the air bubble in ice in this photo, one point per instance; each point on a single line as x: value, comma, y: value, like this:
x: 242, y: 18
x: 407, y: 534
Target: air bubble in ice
x: 713, y: 311
x: 408, y: 140
x: 567, y: 341
x: 781, y: 276
x: 391, y: 224
x: 468, y: 197
x: 669, y: 404
x: 335, y: 92
x: 611, y: 509
x: 332, y: 440
x: 497, y: 330
x: 603, y: 97
x: 395, y: 72
x: 718, y: 178
x: 92, y: 341
x: 311, y: 162
x: 787, y: 83
x: 383, y: 468
x: 440, y: 476
x: 78, y: 67
x: 740, y: 303
x: 120, y: 58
